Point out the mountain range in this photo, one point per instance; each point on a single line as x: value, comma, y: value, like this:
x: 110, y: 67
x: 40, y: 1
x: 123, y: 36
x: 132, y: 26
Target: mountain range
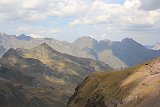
x: 44, y: 72
x: 117, y: 54
x: 41, y: 76
x: 138, y: 86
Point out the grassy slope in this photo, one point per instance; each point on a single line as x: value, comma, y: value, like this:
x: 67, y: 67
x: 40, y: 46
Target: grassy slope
x: 127, y: 88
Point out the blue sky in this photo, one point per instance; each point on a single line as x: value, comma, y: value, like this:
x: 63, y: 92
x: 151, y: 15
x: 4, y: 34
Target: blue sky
x: 69, y: 19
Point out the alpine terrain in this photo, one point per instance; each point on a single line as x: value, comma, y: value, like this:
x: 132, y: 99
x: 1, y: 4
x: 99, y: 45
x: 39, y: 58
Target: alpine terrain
x: 138, y: 86
x: 117, y: 54
x: 41, y: 76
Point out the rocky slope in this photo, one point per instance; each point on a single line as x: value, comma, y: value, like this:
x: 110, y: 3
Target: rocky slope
x: 138, y: 86
x: 41, y: 76
x: 117, y: 54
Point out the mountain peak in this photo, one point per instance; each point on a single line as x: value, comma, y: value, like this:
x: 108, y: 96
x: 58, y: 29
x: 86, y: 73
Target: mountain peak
x: 11, y: 52
x: 128, y: 40
x: 24, y: 37
x: 84, y: 39
x: 131, y: 42
x: 45, y: 44
x: 44, y: 47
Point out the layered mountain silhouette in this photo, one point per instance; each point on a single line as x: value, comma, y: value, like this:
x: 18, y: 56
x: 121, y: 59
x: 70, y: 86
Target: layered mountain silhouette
x: 41, y: 76
x: 117, y: 54
x: 24, y: 37
x: 43, y: 72
x: 138, y: 86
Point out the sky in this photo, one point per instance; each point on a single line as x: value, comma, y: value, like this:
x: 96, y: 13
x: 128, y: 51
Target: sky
x: 69, y: 19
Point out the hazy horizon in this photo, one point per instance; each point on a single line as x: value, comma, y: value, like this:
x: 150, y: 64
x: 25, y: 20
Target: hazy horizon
x: 70, y: 19
x: 86, y: 36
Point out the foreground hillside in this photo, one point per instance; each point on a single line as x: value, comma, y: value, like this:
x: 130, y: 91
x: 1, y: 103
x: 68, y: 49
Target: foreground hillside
x: 135, y: 87
x: 41, y: 76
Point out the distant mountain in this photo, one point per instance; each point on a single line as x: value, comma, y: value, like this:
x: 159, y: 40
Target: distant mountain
x: 117, y: 54
x: 157, y: 46
x: 41, y: 76
x: 138, y: 86
x: 149, y: 46
x: 24, y: 37
x: 133, y: 53
x: 99, y: 50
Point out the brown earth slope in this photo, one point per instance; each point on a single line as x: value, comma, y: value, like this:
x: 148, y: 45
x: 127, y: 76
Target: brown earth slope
x: 135, y: 87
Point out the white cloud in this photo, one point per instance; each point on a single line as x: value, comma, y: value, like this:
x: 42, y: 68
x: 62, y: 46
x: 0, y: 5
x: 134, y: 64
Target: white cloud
x: 32, y: 10
x: 132, y: 15
x: 83, y: 12
x: 21, y: 10
x: 90, y: 20
x: 132, y: 4
x: 67, y: 8
x: 126, y: 16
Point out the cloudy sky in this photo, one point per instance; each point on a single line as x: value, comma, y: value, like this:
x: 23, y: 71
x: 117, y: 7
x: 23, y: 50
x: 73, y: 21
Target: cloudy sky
x: 70, y: 19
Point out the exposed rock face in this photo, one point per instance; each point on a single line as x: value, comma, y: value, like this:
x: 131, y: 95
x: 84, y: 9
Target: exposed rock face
x: 135, y: 87
x: 41, y: 76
